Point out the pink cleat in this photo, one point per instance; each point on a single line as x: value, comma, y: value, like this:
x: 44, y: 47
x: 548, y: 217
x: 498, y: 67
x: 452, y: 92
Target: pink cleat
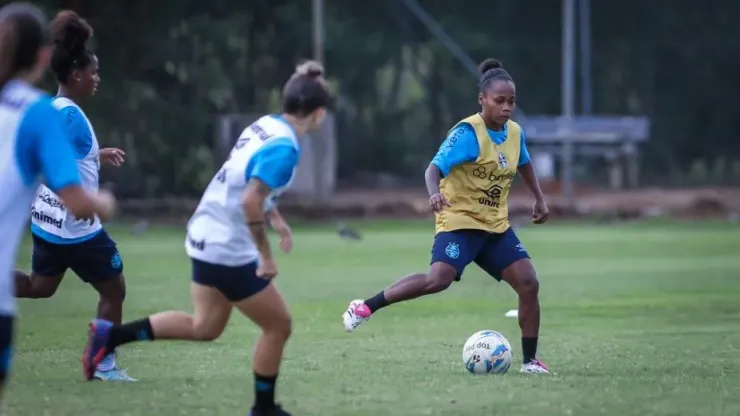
x: 357, y: 313
x: 535, y: 366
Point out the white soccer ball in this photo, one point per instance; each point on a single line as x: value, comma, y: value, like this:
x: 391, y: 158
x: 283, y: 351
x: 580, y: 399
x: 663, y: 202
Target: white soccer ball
x: 487, y: 352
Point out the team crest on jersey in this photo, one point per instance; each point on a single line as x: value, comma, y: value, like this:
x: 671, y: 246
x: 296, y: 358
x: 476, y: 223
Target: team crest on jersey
x: 452, y: 250
x: 502, y: 160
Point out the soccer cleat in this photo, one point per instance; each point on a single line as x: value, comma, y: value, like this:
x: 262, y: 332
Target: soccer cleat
x: 534, y: 366
x: 357, y: 313
x: 275, y: 411
x: 95, y: 350
x: 112, y: 375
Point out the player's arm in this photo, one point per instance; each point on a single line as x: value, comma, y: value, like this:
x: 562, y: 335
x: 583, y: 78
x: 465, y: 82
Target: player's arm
x: 270, y: 167
x: 460, y: 146
x: 49, y: 147
x: 253, y: 201
x: 529, y: 176
x: 276, y: 220
x: 527, y: 172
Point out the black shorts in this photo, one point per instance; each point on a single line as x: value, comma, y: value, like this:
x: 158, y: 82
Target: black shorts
x: 491, y: 252
x: 6, y: 346
x: 94, y: 260
x: 236, y: 283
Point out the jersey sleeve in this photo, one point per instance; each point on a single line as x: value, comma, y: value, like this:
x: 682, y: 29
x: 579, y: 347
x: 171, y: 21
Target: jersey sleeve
x: 523, y: 152
x: 273, y: 163
x: 44, y: 148
x: 460, y: 146
x: 78, y: 131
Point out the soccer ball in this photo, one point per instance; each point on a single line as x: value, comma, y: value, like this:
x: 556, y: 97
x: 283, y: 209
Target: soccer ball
x: 487, y: 352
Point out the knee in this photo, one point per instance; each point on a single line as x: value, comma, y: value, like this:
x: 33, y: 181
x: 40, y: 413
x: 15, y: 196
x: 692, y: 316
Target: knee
x: 206, y: 333
x: 281, y: 327
x: 436, y: 283
x: 113, y: 293
x: 528, y: 286
x: 44, y: 290
x: 440, y: 278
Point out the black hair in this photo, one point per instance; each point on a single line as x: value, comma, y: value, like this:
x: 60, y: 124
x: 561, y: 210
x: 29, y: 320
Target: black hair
x: 306, y: 90
x: 22, y: 33
x: 70, y: 34
x: 492, y: 70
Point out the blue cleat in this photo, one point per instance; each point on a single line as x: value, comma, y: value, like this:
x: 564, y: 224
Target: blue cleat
x: 112, y: 375
x: 95, y: 350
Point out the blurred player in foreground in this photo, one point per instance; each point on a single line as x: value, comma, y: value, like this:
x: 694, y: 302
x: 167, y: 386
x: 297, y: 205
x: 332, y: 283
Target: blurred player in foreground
x: 33, y: 145
x: 468, y: 183
x: 62, y: 241
x: 232, y: 263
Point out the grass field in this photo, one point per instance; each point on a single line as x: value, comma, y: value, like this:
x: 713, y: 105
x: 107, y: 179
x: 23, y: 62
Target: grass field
x: 638, y: 319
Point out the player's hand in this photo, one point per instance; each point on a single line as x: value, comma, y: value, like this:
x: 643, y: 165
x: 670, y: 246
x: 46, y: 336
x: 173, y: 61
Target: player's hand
x: 286, y: 235
x: 112, y: 156
x: 438, y: 202
x: 540, y: 212
x: 267, y: 268
x: 105, y: 204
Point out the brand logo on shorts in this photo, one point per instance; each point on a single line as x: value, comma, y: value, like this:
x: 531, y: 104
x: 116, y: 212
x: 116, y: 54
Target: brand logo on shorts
x: 115, y: 261
x: 520, y: 247
x: 452, y: 250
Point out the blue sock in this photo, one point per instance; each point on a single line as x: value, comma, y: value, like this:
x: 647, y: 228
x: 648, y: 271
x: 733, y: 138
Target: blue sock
x: 140, y: 330
x: 264, y: 392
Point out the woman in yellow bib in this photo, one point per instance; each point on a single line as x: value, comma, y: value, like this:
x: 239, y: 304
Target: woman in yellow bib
x: 468, y: 182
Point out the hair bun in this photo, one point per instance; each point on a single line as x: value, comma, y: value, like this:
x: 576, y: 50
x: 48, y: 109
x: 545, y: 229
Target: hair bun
x: 489, y: 64
x: 70, y: 31
x: 311, y: 68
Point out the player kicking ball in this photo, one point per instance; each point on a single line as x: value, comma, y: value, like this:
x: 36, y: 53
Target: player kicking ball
x: 468, y: 183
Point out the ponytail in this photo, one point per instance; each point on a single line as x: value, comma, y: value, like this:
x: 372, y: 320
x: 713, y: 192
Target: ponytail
x: 8, y: 49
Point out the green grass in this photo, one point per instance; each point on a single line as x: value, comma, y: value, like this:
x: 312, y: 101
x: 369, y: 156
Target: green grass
x: 638, y: 319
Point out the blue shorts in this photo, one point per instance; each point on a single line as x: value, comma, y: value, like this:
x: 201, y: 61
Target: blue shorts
x: 94, y: 260
x: 235, y: 283
x: 6, y: 346
x: 491, y: 252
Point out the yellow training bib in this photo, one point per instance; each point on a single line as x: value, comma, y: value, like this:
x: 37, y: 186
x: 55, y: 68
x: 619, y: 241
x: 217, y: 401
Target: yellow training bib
x: 478, y: 190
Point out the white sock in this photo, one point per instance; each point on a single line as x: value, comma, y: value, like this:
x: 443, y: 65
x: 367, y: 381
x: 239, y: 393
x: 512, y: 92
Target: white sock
x: 108, y: 363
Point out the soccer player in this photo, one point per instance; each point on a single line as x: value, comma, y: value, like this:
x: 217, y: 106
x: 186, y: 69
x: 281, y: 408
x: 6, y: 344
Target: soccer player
x: 468, y: 183
x: 232, y: 263
x: 33, y: 144
x: 62, y: 241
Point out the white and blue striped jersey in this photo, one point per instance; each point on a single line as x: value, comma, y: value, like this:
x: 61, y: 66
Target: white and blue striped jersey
x: 33, y: 145
x: 50, y: 219
x: 217, y: 232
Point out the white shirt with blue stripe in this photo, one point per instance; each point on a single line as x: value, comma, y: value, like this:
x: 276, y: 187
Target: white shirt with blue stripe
x: 33, y: 146
x: 217, y: 232
x: 50, y: 219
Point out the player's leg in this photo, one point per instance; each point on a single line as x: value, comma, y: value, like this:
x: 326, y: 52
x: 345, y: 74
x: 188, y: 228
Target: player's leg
x: 268, y: 310
x: 6, y: 349
x: 7, y: 317
x: 98, y: 263
x: 211, y: 313
x: 48, y: 265
x: 504, y: 258
x: 451, y: 252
